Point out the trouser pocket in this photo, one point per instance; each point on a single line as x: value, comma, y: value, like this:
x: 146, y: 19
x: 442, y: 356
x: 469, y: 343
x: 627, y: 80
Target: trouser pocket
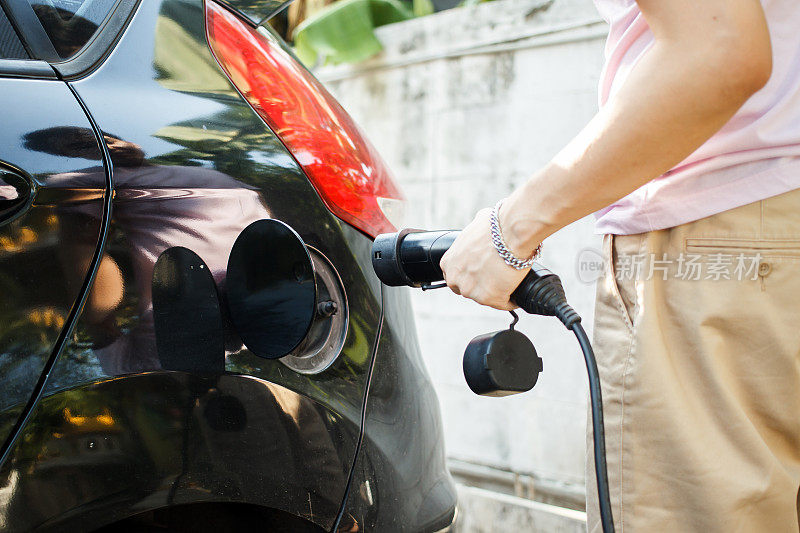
x: 622, y: 288
x: 778, y: 248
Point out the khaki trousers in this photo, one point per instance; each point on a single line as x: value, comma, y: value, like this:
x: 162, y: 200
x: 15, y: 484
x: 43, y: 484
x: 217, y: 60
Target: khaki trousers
x: 701, y: 374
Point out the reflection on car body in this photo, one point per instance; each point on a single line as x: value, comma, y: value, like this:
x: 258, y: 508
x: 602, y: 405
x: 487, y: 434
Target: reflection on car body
x: 125, y: 408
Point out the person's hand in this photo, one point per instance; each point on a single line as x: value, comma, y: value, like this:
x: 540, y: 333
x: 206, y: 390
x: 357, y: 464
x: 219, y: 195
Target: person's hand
x: 473, y: 268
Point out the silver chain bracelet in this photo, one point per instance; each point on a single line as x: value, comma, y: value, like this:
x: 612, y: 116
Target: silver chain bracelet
x: 501, y: 247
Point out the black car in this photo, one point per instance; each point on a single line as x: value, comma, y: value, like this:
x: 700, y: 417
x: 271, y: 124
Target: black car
x: 191, y: 334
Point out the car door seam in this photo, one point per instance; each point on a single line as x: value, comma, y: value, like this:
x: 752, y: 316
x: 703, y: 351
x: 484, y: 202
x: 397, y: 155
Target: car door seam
x: 77, y: 307
x: 364, y: 405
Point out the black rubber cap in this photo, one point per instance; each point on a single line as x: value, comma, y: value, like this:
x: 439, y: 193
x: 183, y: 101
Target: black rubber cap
x: 501, y: 364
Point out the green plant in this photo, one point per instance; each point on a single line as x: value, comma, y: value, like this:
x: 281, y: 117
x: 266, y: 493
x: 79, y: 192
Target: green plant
x: 344, y: 31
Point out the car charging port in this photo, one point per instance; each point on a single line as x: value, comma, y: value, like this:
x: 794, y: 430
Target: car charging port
x: 285, y: 298
x: 325, y: 338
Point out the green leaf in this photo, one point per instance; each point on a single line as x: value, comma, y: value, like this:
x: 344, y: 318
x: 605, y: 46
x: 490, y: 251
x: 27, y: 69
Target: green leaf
x: 422, y: 8
x: 344, y: 31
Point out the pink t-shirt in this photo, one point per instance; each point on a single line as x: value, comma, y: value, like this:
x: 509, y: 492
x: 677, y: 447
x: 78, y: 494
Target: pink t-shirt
x: 754, y: 156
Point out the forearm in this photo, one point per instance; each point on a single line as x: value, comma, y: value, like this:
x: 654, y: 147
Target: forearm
x: 673, y: 101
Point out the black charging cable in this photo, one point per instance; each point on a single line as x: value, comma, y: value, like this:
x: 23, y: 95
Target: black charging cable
x: 598, y: 431
x: 411, y: 258
x: 541, y: 293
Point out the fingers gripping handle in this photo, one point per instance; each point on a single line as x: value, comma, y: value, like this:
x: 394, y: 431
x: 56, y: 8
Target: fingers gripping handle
x: 541, y: 293
x: 411, y: 257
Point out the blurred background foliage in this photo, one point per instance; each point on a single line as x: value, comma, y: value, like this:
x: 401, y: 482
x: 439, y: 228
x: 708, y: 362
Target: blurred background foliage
x: 343, y: 31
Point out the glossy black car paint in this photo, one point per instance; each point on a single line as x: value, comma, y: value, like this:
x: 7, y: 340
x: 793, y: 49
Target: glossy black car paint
x: 42, y: 268
x: 127, y: 425
x: 400, y: 481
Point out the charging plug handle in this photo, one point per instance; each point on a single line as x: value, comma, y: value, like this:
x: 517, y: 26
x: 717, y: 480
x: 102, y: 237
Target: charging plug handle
x: 411, y: 258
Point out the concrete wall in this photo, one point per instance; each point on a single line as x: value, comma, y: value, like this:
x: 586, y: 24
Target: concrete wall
x: 464, y: 105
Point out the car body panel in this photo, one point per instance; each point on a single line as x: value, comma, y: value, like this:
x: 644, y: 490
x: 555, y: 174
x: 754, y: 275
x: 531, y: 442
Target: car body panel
x: 123, y: 429
x: 401, y: 482
x: 38, y: 245
x: 193, y: 166
x: 105, y: 451
x: 197, y: 166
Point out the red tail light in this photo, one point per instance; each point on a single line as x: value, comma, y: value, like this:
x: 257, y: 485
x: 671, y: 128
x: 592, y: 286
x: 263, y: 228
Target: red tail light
x: 343, y: 166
